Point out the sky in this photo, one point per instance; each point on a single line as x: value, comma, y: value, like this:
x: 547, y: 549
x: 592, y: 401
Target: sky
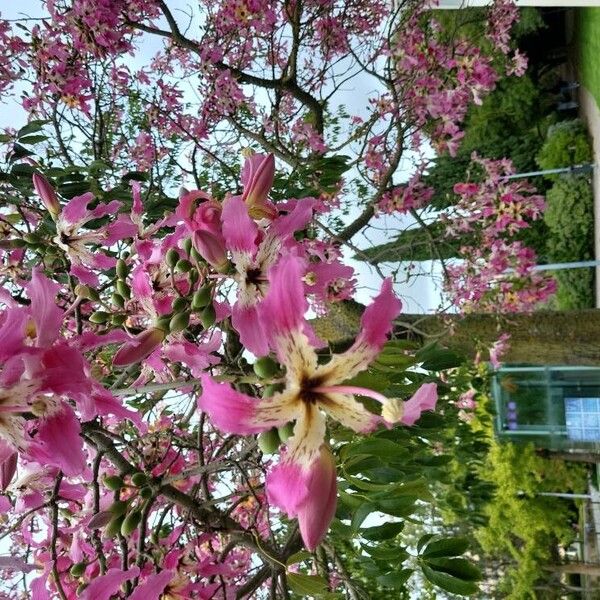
x: 420, y: 294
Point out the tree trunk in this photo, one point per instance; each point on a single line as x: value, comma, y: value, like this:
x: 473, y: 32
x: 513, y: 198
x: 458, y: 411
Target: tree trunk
x: 540, y: 338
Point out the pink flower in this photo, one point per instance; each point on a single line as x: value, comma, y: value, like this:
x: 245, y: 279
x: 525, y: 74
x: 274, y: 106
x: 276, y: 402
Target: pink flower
x: 47, y: 194
x: 310, y: 391
x: 257, y: 178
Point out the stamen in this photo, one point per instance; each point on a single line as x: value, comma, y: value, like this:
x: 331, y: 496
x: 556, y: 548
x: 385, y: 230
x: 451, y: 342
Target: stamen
x: 351, y: 389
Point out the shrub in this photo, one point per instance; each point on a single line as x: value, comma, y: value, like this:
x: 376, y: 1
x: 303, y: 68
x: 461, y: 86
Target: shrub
x: 569, y: 218
x: 566, y: 144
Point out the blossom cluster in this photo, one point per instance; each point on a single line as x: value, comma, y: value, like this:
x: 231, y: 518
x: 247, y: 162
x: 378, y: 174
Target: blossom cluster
x: 498, y: 273
x: 144, y: 303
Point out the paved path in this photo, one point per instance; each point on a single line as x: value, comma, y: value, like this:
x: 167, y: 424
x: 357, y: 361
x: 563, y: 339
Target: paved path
x: 591, y: 114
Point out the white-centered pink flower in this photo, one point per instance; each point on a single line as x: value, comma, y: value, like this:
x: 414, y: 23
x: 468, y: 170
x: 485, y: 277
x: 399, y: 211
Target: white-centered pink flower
x: 302, y: 482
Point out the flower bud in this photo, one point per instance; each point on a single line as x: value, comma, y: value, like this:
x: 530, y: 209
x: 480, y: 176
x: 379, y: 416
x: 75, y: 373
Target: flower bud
x: 201, y: 297
x: 257, y: 178
x: 131, y: 522
x: 268, y: 441
x: 47, y: 194
x: 171, y: 258
x: 179, y: 322
x: 139, y: 347
x: 208, y: 316
x: 266, y: 367
x: 211, y: 248
x: 78, y: 569
x: 114, y: 526
x: 113, y: 482
x: 8, y: 468
x: 121, y: 269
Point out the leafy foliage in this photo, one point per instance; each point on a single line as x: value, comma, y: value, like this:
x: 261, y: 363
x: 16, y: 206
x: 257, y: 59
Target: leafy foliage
x: 566, y: 145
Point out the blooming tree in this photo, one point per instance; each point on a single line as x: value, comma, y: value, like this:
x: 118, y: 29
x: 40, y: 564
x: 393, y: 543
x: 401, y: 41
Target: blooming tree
x: 171, y: 423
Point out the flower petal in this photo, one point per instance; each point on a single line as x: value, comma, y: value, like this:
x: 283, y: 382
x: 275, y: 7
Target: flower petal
x: 58, y: 444
x: 239, y: 230
x: 153, y: 586
x: 424, y: 398
x: 316, y: 513
x: 376, y: 323
x: 350, y: 413
x: 298, y: 356
x: 304, y: 446
x: 234, y: 412
x: 285, y: 304
x: 247, y: 321
x: 46, y: 314
x: 103, y: 587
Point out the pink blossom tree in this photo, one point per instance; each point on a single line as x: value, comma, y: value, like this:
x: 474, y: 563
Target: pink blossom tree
x: 171, y: 425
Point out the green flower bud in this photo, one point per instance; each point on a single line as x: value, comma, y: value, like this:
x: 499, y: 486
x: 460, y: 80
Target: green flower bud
x: 266, y: 367
x: 114, y: 526
x: 187, y: 245
x: 118, y: 507
x: 113, y: 482
x: 179, y: 322
x: 146, y: 492
x: 171, y: 258
x: 117, y: 300
x: 118, y: 320
x: 89, y: 293
x: 286, y: 432
x: 121, y: 269
x: 163, y: 322
x: 208, y: 316
x: 139, y: 479
x: 179, y: 304
x: 183, y: 266
x: 123, y: 289
x: 99, y: 317
x: 201, y: 297
x: 268, y: 441
x: 78, y: 569
x: 131, y: 522
x: 196, y: 256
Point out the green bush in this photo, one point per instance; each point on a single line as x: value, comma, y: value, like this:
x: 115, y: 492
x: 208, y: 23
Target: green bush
x: 570, y: 222
x: 566, y: 144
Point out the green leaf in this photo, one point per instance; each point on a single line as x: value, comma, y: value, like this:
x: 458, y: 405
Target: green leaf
x: 370, y: 381
x: 363, y: 511
x: 306, y: 585
x: 298, y: 557
x: 423, y: 541
x: 460, y: 568
x: 435, y: 358
x: 32, y: 127
x: 392, y: 554
x: 382, y: 532
x: 374, y: 446
x: 33, y: 139
x: 136, y: 176
x: 397, y: 507
x: 4, y: 137
x: 395, y: 579
x: 449, y: 583
x: 446, y: 547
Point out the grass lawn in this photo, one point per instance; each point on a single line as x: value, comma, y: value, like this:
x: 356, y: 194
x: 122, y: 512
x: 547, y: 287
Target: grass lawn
x: 589, y: 50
